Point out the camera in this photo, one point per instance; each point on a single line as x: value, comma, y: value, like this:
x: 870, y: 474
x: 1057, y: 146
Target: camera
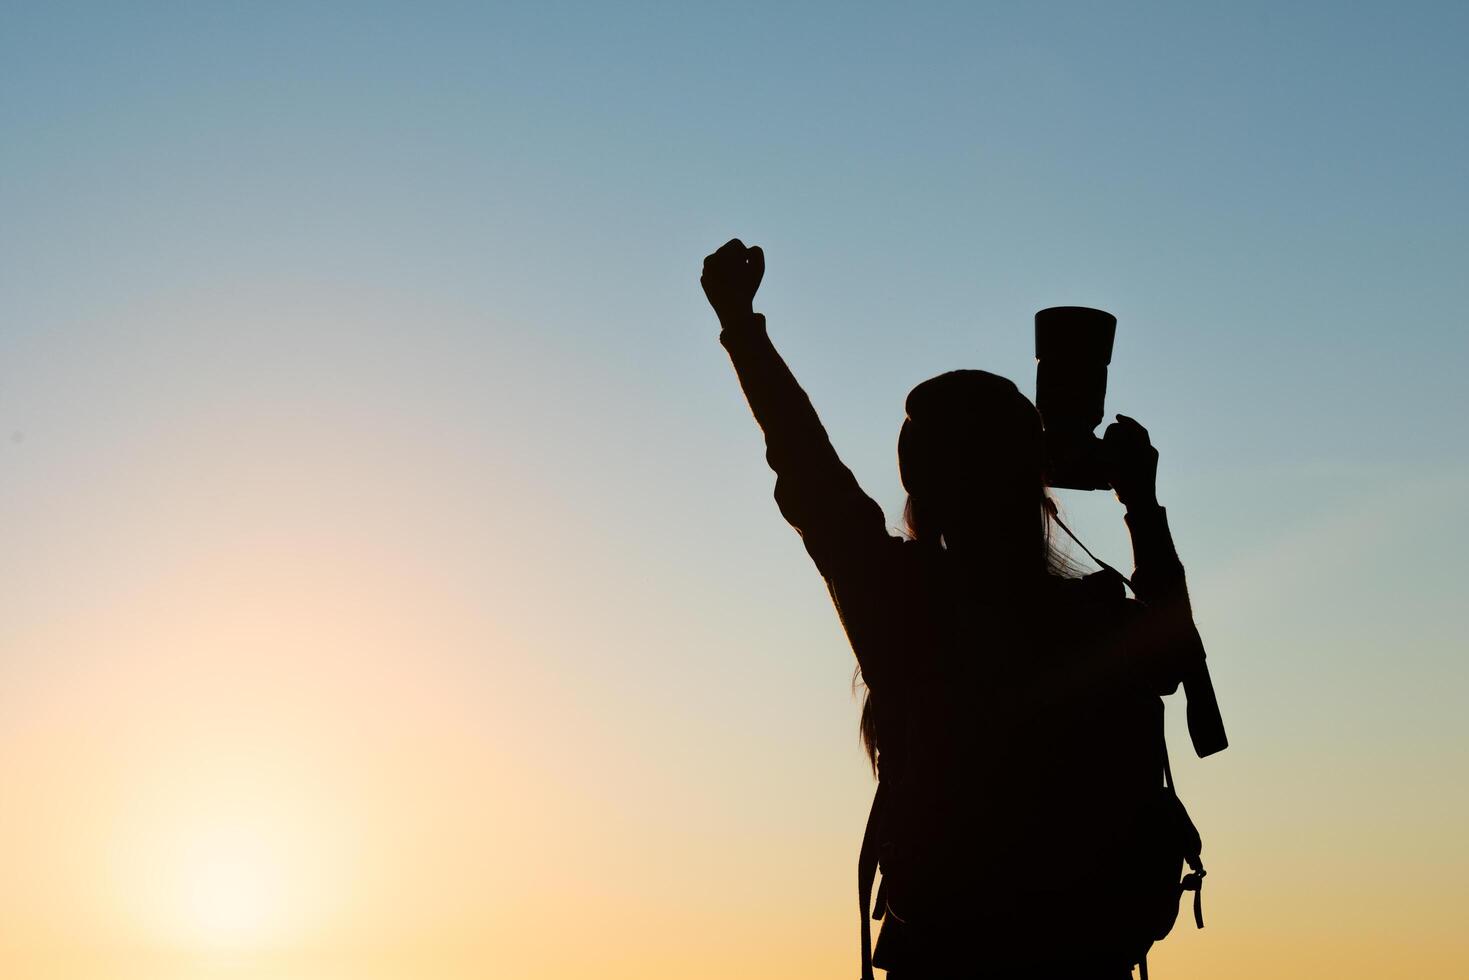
x: 1073, y: 346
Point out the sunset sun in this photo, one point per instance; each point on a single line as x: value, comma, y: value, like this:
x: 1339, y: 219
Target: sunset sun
x: 233, y: 867
x: 231, y: 887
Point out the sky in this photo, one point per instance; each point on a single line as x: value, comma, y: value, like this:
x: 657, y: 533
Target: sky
x: 391, y: 585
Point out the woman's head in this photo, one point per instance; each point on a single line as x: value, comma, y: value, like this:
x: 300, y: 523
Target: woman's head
x: 971, y: 455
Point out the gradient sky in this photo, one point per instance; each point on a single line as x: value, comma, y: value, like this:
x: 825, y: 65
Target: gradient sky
x: 391, y: 582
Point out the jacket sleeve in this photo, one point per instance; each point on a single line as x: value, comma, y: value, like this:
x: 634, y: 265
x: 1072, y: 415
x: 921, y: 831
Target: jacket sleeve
x: 839, y: 524
x: 1164, y: 637
x: 1169, y: 643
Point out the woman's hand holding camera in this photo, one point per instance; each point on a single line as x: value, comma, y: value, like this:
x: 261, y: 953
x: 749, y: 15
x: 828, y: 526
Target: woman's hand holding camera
x: 1132, y: 463
x: 731, y: 277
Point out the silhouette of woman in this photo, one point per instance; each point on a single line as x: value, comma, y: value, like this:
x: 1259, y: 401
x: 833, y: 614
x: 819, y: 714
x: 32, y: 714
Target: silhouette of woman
x: 1012, y: 709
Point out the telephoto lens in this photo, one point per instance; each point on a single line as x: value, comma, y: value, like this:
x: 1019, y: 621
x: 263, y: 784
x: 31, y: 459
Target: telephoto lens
x: 1073, y: 346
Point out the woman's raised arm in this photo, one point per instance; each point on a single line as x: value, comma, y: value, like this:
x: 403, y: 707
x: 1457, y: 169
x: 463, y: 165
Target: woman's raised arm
x: 816, y: 492
x: 1171, y: 640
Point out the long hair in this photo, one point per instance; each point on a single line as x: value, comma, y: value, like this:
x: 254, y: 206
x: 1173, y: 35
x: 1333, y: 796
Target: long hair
x: 923, y: 528
x: 930, y: 408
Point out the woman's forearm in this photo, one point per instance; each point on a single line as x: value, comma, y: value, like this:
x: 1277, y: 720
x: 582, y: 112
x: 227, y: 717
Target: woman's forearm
x: 1160, y: 582
x: 815, y: 490
x: 1157, y: 573
x: 794, y: 436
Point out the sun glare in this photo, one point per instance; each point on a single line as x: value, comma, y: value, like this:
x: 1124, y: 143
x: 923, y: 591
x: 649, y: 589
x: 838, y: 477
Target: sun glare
x: 231, y: 888
x: 247, y: 869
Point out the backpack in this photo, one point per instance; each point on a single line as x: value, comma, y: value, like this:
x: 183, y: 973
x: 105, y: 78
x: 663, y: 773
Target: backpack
x: 1145, y: 885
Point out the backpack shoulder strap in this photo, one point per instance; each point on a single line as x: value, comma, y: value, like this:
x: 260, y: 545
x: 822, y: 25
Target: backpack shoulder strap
x: 867, y: 873
x: 1194, y: 880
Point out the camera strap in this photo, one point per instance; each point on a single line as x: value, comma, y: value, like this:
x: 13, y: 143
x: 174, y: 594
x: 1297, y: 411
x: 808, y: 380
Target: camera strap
x: 1051, y: 506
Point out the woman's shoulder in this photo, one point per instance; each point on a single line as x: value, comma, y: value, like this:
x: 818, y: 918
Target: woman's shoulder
x: 1097, y: 595
x: 1104, y: 585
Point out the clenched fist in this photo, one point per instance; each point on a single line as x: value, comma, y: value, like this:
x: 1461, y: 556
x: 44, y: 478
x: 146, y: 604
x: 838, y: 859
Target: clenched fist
x: 731, y: 276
